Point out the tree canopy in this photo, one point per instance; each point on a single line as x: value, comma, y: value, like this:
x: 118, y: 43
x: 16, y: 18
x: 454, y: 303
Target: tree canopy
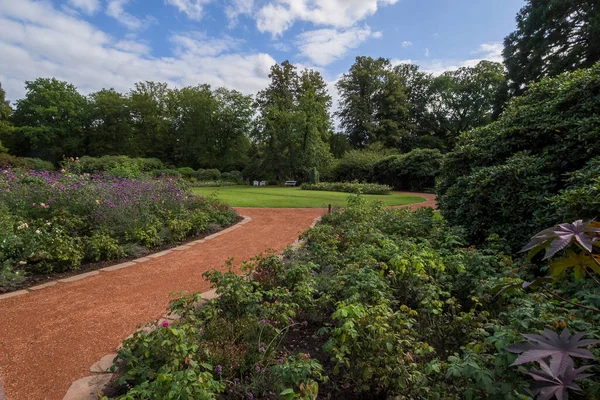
x: 552, y: 37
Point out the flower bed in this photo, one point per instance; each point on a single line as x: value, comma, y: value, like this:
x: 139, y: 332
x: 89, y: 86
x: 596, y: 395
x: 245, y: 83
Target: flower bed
x: 348, y: 187
x: 52, y: 222
x: 376, y: 304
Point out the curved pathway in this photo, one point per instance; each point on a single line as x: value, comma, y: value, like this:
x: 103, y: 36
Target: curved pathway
x: 49, y: 338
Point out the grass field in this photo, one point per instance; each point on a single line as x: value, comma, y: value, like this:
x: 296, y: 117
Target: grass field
x: 279, y: 197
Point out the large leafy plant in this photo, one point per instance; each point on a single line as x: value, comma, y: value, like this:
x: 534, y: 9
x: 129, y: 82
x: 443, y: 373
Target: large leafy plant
x: 553, y: 353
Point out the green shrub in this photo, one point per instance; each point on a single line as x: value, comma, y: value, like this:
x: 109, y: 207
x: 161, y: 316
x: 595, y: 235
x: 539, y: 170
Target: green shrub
x: 41, y: 165
x: 187, y: 172
x: 171, y: 173
x: 557, y: 125
x: 313, y: 176
x: 581, y: 199
x: 232, y: 176
x: 414, y: 171
x: 102, y: 247
x: 208, y: 175
x: 348, y: 187
x: 356, y: 165
x: 6, y: 160
x: 107, y: 163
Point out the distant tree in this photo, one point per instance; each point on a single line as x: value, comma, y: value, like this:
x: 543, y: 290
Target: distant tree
x: 339, y: 144
x: 232, y: 125
x: 192, y: 126
x: 294, y: 124
x: 110, y: 122
x: 360, y: 92
x: 417, y: 86
x: 6, y: 128
x: 150, y: 105
x: 465, y: 99
x: 392, y: 116
x: 49, y: 120
x: 552, y: 37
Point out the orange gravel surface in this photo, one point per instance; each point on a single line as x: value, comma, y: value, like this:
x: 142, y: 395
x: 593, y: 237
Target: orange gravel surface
x: 430, y: 201
x: 51, y: 337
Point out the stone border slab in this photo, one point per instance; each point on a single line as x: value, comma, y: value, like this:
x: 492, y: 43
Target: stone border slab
x: 103, y: 365
x: 88, y: 388
x: 13, y: 294
x: 78, y: 277
x: 162, y: 253
x: 118, y: 266
x: 44, y: 286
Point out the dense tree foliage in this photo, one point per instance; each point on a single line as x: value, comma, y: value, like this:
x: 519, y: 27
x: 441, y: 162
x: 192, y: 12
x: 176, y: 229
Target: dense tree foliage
x: 552, y: 37
x: 403, y: 108
x: 192, y: 126
x: 499, y: 179
x: 294, y: 125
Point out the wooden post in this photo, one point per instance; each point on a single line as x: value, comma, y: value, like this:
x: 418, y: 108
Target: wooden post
x: 329, y: 209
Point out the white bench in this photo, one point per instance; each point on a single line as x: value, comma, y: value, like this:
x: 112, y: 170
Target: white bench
x: 290, y: 183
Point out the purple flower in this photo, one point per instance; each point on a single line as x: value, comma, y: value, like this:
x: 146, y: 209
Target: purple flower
x: 165, y: 324
x: 219, y: 369
x: 250, y: 396
x: 257, y: 367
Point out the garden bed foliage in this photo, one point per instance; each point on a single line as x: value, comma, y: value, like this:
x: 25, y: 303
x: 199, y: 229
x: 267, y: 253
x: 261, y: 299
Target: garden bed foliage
x: 52, y: 222
x: 387, y: 304
x: 503, y: 178
x: 348, y: 187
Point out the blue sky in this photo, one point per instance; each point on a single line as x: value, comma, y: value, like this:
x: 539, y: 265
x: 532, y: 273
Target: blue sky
x: 114, y: 43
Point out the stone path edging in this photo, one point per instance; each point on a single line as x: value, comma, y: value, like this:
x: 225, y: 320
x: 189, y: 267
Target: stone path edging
x: 127, y: 264
x: 89, y: 387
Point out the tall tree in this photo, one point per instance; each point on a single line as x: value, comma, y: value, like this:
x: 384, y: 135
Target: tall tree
x: 6, y: 128
x: 418, y: 87
x: 110, y: 125
x: 466, y: 98
x: 358, y: 90
x: 151, y: 107
x: 552, y: 37
x: 232, y: 125
x: 49, y: 120
x: 392, y: 119
x: 294, y: 124
x: 192, y: 126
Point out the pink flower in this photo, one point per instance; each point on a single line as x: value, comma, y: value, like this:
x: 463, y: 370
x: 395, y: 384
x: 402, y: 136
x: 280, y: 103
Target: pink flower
x: 165, y: 324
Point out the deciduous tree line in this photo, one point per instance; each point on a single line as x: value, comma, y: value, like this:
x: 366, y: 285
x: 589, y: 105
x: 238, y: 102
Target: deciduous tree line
x: 287, y: 129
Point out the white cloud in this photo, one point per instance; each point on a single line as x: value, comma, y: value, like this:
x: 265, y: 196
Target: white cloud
x: 192, y: 8
x: 323, y: 46
x: 37, y: 40
x: 199, y: 44
x: 486, y: 51
x: 87, y: 6
x: 406, y: 43
x: 131, y: 46
x: 279, y: 15
x: 237, y: 8
x: 116, y: 10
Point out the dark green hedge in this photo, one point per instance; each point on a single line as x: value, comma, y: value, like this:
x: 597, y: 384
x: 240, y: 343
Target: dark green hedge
x: 414, y: 171
x: 500, y: 178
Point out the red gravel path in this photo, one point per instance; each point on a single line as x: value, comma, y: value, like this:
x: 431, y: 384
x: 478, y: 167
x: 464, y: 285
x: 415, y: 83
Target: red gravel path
x: 50, y: 338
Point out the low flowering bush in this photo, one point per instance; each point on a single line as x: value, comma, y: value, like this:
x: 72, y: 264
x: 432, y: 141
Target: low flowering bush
x: 375, y: 304
x: 55, y: 221
x: 349, y: 187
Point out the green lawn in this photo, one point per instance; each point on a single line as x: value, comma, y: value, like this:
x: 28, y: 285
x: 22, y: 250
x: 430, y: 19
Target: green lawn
x: 279, y: 197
